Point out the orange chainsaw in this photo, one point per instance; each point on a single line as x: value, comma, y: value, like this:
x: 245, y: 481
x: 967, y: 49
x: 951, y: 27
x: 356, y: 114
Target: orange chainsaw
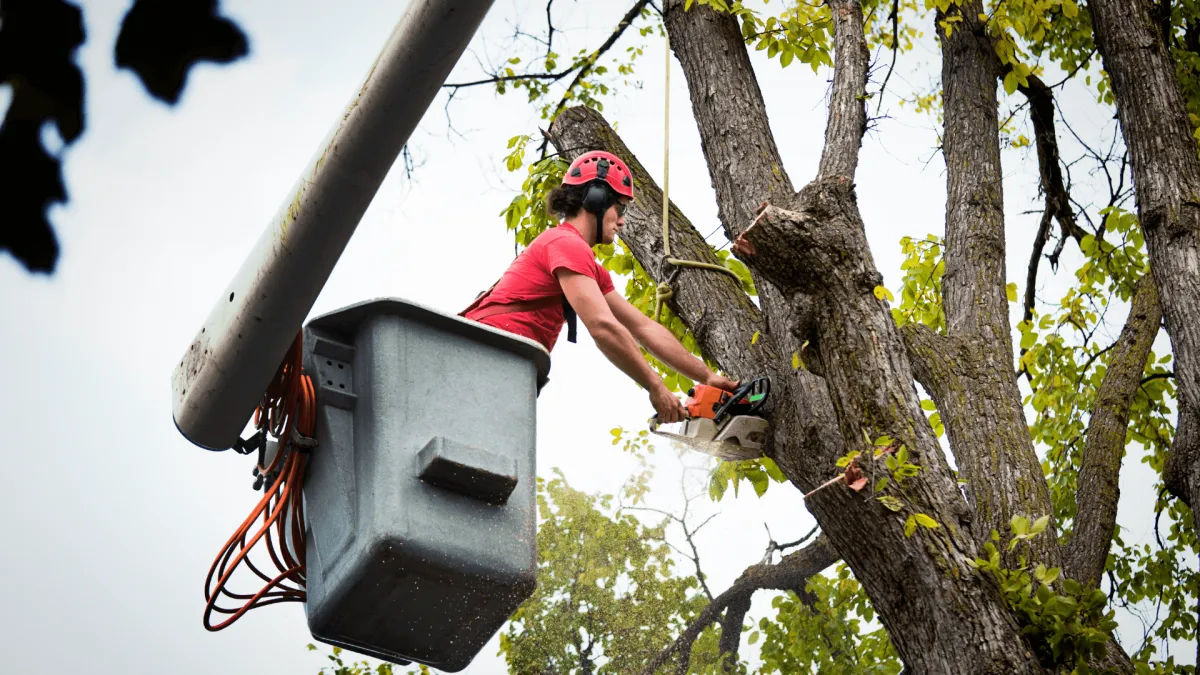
x: 721, y: 423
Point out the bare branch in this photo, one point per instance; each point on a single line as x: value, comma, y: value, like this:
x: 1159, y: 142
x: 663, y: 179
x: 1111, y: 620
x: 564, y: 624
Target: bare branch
x: 791, y: 572
x: 894, y: 16
x: 590, y: 62
x: 689, y: 534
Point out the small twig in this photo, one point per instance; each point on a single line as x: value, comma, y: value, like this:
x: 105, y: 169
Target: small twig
x: 1158, y: 376
x: 895, y: 18
x: 588, y: 63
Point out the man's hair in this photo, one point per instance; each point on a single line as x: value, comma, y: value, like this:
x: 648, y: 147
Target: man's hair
x: 565, y: 201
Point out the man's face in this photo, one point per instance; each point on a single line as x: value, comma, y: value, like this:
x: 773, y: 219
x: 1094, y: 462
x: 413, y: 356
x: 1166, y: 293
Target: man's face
x: 614, y: 220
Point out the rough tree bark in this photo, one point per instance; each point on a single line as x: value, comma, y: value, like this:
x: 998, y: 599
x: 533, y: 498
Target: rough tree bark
x: 816, y: 276
x: 1166, y: 178
x: 969, y: 372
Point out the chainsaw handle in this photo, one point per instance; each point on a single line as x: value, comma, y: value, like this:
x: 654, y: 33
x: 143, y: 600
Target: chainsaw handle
x: 744, y: 389
x: 654, y: 421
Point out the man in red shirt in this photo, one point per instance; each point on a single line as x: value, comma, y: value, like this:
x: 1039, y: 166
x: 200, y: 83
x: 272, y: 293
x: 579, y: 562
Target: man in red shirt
x: 558, y: 277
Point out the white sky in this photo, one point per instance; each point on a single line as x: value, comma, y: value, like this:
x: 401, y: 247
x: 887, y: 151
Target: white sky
x: 112, y: 518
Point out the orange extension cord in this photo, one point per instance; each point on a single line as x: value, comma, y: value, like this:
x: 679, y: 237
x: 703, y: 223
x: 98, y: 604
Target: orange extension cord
x: 288, y: 412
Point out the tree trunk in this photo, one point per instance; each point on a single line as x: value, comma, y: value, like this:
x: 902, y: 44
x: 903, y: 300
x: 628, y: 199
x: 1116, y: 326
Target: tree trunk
x: 1166, y: 175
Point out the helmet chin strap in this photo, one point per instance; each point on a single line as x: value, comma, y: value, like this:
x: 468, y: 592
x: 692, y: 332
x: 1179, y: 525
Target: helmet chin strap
x: 599, y: 236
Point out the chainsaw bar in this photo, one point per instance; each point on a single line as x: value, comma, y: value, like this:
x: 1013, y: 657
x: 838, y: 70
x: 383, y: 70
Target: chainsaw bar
x: 739, y: 438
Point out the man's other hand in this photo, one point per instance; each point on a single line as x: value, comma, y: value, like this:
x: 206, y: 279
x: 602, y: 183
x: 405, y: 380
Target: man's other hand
x: 722, y: 382
x: 667, y: 406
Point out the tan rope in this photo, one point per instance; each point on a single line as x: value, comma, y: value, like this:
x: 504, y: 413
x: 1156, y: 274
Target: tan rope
x: 664, y: 291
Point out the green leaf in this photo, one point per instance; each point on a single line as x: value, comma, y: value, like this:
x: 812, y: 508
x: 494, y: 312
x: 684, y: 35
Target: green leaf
x: 925, y: 521
x: 1019, y: 525
x: 795, y: 360
x: 910, y: 526
x: 1040, y: 524
x: 882, y: 293
x: 773, y: 470
x: 760, y: 481
x: 927, y: 404
x: 1011, y: 291
x: 1010, y: 83
x: 892, y: 503
x: 754, y: 338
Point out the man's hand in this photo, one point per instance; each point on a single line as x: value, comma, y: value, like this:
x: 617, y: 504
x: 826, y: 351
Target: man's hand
x: 721, y: 382
x: 667, y: 406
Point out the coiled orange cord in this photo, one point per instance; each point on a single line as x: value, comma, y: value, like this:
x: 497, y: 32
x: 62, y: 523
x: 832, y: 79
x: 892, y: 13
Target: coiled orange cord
x: 288, y: 412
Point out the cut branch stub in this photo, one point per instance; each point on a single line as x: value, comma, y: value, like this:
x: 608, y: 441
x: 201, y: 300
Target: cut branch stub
x: 802, y: 250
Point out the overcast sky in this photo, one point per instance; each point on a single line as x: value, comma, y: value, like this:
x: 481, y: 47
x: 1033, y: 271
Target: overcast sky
x: 112, y: 519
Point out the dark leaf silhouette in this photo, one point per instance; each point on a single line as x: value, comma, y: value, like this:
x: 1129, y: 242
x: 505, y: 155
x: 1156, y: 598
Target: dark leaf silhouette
x: 37, y: 42
x: 161, y: 40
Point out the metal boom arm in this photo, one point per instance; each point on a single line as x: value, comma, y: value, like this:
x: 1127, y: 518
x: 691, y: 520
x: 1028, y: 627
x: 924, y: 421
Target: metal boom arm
x: 228, y: 365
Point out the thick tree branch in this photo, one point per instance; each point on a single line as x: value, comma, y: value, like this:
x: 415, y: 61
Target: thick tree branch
x: 822, y: 250
x: 979, y: 399
x: 1166, y: 173
x: 848, y: 105
x: 793, y: 571
x: 1098, y: 491
x: 735, y: 134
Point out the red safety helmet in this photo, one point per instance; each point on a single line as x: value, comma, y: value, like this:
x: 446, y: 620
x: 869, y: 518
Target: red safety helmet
x: 600, y: 165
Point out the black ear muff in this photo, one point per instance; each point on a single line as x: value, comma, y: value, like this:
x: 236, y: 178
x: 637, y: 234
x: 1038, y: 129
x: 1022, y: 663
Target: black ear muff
x: 597, y: 198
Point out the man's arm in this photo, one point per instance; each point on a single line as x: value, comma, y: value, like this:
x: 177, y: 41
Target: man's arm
x: 661, y: 342
x: 615, y: 341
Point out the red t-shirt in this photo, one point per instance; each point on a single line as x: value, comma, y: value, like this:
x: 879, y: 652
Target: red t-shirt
x: 531, y: 277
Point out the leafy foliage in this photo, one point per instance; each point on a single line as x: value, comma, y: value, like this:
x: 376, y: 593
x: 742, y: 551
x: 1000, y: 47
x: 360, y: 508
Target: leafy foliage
x: 830, y: 629
x: 1066, y: 363
x: 921, y: 288
x: 1065, y: 629
x: 608, y: 598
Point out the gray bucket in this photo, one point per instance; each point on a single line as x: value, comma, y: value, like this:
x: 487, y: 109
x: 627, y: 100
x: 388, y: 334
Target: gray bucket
x: 420, y: 497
